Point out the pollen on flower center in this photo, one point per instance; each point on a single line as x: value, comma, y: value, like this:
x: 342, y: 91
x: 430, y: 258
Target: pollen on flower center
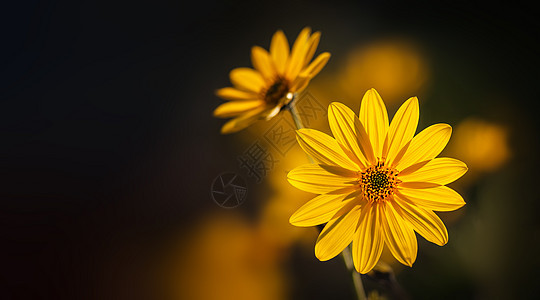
x: 276, y: 91
x: 378, y: 182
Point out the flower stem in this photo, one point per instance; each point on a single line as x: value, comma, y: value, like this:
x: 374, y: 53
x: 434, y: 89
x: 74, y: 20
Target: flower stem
x: 294, y: 113
x: 357, y: 280
x: 347, y: 253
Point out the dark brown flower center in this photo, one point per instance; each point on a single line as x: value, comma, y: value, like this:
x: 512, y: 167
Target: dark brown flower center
x: 276, y: 91
x: 378, y: 182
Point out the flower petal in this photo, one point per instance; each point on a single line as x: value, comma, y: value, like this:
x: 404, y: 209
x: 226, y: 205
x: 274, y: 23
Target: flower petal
x: 350, y: 133
x: 426, y: 145
x: 314, y: 179
x: 441, y: 170
x: 312, y: 43
x: 441, y: 198
x: 423, y: 221
x: 279, y: 51
x: 368, y: 241
x: 338, y: 232
x: 319, y: 210
x: 298, y: 54
x: 247, y: 79
x: 242, y: 121
x: 398, y: 235
x: 401, y: 130
x: 234, y: 108
x: 300, y: 83
x: 230, y: 93
x: 323, y: 148
x: 261, y: 60
x: 317, y: 65
x: 374, y: 117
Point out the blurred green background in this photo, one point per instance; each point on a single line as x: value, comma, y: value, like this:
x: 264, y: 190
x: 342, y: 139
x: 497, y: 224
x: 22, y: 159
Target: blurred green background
x: 109, y: 147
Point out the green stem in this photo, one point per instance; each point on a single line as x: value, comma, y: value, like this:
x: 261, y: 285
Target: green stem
x: 357, y: 279
x: 347, y: 253
x: 294, y: 113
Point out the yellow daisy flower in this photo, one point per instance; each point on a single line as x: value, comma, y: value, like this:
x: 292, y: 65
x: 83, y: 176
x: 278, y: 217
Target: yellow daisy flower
x: 377, y: 183
x: 260, y: 93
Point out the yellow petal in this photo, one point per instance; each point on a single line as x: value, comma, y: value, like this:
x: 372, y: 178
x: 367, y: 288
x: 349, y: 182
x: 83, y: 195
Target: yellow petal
x: 401, y: 130
x: 271, y: 112
x: 230, y: 93
x: 323, y: 148
x: 261, y: 60
x: 317, y: 65
x: 318, y: 210
x: 426, y: 145
x: 279, y: 51
x: 441, y: 198
x: 350, y: 133
x: 247, y: 79
x: 423, y: 221
x: 374, y: 117
x: 368, y: 241
x: 313, y: 43
x: 338, y: 232
x: 300, y: 83
x: 398, y: 235
x: 314, y: 179
x: 234, y: 108
x: 440, y: 171
x: 418, y: 185
x: 242, y: 121
x: 298, y: 54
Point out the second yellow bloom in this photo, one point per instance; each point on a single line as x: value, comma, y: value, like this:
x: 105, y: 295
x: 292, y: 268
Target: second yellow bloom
x: 260, y: 93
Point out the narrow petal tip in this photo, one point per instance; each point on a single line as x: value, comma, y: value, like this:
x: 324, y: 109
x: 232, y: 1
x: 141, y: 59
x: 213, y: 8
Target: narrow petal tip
x: 445, y: 127
x: 279, y: 31
x: 335, y: 104
x: 414, y: 100
x: 292, y: 219
x: 226, y: 130
x: 321, y: 255
x: 326, y: 55
x: 300, y: 131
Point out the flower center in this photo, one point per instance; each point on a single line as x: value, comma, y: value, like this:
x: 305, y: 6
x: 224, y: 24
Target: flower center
x: 276, y: 91
x: 379, y: 182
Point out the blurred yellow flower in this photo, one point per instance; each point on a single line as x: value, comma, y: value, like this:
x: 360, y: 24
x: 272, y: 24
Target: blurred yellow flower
x: 277, y: 75
x: 395, y: 66
x: 283, y: 202
x: 224, y: 257
x: 378, y: 183
x: 482, y: 144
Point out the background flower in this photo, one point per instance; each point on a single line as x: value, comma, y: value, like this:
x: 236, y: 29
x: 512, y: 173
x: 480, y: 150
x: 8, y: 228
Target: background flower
x: 260, y: 93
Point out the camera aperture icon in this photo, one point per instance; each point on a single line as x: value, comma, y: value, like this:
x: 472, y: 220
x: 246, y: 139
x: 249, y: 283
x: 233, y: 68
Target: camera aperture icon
x: 229, y: 190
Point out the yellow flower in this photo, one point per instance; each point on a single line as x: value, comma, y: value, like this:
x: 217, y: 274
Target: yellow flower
x: 483, y: 144
x: 260, y: 93
x: 377, y: 183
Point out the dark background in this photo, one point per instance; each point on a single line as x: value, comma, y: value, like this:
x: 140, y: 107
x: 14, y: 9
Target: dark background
x: 108, y: 144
